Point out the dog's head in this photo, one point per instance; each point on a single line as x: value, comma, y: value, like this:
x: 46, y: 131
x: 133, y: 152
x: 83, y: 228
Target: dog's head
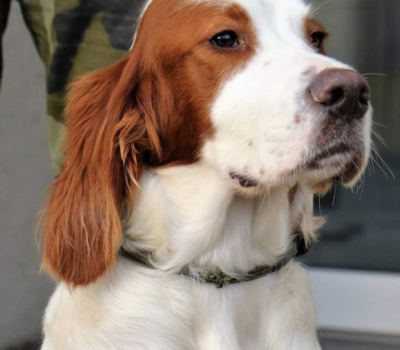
x: 241, y: 85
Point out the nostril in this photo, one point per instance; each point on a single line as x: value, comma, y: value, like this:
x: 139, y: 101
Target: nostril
x: 364, y: 96
x: 341, y: 94
x: 336, y: 96
x: 328, y: 97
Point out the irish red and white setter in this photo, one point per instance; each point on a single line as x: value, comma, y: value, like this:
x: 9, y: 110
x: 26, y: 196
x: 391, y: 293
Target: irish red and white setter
x: 193, y: 160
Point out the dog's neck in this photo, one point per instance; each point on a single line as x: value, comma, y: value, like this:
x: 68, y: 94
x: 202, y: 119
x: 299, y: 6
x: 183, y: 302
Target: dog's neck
x: 191, y: 216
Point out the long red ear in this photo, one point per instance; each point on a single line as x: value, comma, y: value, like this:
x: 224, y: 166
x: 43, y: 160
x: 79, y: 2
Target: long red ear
x: 110, y: 125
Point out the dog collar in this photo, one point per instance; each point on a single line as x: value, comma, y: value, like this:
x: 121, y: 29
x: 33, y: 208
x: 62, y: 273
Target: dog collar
x: 220, y: 279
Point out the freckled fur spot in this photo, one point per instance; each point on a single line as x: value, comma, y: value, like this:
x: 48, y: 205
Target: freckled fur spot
x: 308, y: 71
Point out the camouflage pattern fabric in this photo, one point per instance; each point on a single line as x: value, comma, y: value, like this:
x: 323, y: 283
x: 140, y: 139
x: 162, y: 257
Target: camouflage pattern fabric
x: 4, y: 10
x: 74, y: 37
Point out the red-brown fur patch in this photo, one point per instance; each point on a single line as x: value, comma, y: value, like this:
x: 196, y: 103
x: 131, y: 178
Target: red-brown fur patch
x: 153, y: 107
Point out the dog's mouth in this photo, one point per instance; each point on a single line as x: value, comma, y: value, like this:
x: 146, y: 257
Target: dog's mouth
x: 341, y: 162
x: 340, y: 149
x: 335, y: 162
x: 243, y: 181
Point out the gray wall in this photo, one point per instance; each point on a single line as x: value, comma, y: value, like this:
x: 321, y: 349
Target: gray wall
x: 366, y: 34
x: 25, y: 172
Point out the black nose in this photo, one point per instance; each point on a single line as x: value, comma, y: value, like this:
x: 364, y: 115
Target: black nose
x: 343, y: 94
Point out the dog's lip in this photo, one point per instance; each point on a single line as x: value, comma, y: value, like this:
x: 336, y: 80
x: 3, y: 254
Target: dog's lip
x: 330, y: 151
x: 340, y: 156
x: 349, y: 172
x: 243, y: 181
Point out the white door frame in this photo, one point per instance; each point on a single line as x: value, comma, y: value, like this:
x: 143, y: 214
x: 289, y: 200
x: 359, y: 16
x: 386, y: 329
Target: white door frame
x: 356, y: 301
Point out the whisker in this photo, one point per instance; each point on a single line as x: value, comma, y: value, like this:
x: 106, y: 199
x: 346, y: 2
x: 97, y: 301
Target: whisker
x: 358, y: 187
x: 326, y: 175
x: 315, y: 10
x: 374, y: 75
x: 319, y: 202
x: 262, y: 202
x: 370, y: 162
x: 369, y: 167
x: 356, y: 166
x: 385, y: 164
x: 334, y: 195
x: 363, y: 185
x: 380, y: 167
x: 379, y: 137
x: 381, y: 125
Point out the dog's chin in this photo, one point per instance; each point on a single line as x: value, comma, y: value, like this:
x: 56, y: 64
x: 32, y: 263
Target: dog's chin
x: 344, y: 167
x: 318, y: 173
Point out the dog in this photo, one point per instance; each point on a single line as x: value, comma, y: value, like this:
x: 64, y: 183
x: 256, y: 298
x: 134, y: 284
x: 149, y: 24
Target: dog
x: 187, y: 190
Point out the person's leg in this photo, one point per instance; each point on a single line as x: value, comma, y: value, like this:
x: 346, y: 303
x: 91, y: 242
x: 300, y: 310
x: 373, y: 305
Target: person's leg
x: 73, y: 38
x: 4, y: 11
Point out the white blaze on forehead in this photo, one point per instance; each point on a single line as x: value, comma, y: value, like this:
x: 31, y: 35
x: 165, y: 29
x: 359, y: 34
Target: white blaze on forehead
x: 277, y: 20
x: 267, y: 15
x: 261, y: 11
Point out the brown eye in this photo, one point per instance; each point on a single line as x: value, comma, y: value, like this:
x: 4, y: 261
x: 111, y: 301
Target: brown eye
x: 317, y: 39
x: 225, y: 39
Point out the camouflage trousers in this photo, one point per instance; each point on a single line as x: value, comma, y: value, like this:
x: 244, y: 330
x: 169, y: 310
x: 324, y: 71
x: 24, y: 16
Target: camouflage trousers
x: 74, y: 37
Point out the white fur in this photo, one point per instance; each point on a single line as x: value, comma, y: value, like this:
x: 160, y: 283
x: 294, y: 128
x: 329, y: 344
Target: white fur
x: 137, y: 308
x: 134, y: 307
x: 258, y: 105
x: 196, y: 216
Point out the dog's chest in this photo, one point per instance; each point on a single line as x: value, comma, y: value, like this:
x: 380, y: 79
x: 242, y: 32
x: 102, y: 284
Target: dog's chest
x: 138, y: 308
x: 234, y: 317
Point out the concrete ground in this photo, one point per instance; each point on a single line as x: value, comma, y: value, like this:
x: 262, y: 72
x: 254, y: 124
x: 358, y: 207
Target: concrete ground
x: 339, y: 345
x: 326, y: 345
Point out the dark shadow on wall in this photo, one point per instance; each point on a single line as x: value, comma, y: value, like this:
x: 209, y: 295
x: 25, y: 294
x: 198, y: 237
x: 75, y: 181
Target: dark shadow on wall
x: 30, y: 345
